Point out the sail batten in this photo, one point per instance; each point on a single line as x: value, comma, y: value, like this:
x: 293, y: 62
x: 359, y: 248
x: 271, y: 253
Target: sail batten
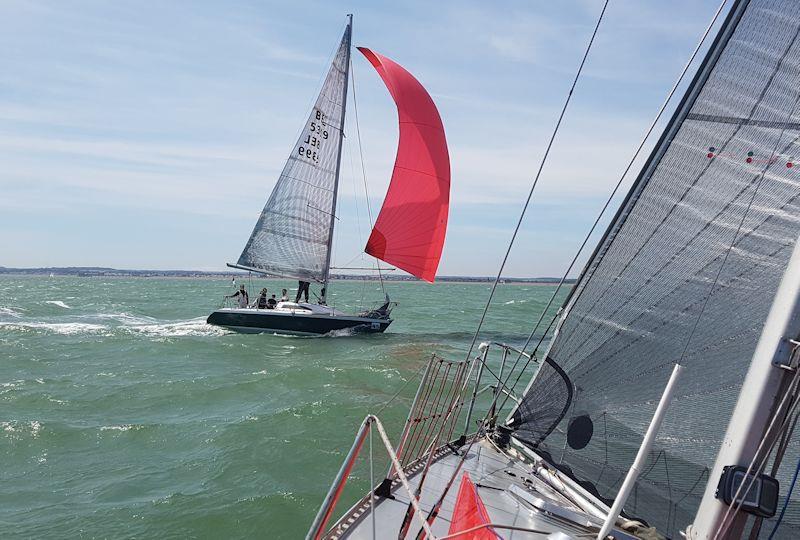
x: 410, y: 229
x: 686, y: 273
x: 292, y: 237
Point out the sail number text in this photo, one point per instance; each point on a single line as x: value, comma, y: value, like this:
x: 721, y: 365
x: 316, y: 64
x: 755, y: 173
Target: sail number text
x: 317, y: 133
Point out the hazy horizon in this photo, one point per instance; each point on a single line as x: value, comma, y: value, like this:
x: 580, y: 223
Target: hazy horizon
x: 233, y: 271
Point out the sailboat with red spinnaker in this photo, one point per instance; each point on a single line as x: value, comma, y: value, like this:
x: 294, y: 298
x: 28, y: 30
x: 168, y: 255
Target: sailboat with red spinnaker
x: 294, y: 233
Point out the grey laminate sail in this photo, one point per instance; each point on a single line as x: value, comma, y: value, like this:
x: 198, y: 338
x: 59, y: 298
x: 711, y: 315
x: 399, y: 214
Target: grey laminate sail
x: 686, y: 273
x: 293, y: 234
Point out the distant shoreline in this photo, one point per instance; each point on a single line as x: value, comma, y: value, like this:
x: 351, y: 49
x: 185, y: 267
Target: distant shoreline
x: 91, y: 271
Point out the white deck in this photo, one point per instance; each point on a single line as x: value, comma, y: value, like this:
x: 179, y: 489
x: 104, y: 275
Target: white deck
x: 290, y: 308
x: 494, y: 474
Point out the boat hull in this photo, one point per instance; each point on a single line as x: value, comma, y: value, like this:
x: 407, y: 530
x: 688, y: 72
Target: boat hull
x: 275, y: 321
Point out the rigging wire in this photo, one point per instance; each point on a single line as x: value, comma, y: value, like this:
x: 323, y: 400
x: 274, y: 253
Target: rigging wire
x: 776, y: 462
x: 358, y: 211
x: 591, y: 231
x: 435, y: 510
x: 760, y: 178
x: 785, y: 502
x: 610, y: 198
x: 731, y: 511
x: 360, y: 254
x: 363, y: 168
x: 783, y: 445
x: 536, y: 180
x: 722, y: 265
x: 790, y: 405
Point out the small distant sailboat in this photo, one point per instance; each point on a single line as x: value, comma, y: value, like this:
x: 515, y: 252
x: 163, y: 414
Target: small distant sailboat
x: 294, y: 234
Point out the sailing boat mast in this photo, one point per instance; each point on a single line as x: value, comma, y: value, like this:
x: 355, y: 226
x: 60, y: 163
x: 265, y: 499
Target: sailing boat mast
x: 758, y: 402
x: 348, y: 38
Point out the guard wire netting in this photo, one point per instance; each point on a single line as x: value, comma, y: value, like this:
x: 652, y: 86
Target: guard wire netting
x: 704, y: 237
x: 293, y: 233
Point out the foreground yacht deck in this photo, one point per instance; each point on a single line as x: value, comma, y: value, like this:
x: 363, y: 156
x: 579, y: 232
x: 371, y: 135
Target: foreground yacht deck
x: 511, y: 492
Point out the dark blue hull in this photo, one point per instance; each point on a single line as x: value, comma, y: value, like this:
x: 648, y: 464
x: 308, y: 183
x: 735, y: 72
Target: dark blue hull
x: 302, y: 324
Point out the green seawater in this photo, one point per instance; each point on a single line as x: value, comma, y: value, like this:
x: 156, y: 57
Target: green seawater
x: 124, y: 415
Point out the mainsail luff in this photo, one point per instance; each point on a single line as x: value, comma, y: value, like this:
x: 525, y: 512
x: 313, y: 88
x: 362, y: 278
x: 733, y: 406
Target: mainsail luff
x: 706, y: 231
x: 294, y: 232
x: 348, y: 47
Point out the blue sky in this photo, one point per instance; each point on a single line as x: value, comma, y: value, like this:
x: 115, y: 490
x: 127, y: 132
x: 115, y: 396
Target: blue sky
x: 149, y: 134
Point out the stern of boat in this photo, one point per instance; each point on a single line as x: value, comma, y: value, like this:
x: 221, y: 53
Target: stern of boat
x: 381, y: 311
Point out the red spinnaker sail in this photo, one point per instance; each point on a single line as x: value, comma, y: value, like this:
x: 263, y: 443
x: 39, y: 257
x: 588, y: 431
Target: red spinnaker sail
x: 410, y: 229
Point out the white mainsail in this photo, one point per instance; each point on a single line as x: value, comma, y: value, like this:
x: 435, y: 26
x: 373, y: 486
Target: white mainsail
x: 293, y: 235
x: 686, y: 274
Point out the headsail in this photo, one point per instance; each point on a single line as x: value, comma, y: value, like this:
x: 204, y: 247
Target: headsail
x: 686, y: 273
x: 293, y: 234
x: 410, y: 230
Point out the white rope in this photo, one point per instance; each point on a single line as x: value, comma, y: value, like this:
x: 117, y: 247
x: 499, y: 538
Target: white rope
x: 372, y: 484
x: 401, y: 475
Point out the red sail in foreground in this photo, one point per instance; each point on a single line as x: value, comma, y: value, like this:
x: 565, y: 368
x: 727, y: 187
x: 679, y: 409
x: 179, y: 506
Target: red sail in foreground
x: 470, y: 513
x: 409, y: 232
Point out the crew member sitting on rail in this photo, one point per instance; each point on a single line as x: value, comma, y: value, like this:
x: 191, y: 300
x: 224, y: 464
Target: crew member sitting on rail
x: 244, y: 300
x: 271, y: 303
x: 284, y: 295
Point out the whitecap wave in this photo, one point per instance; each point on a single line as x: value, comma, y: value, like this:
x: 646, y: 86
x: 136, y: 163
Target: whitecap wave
x: 344, y: 332
x: 122, y: 427
x: 58, y: 303
x: 16, y: 428
x: 126, y: 319
x: 387, y: 372
x: 10, y: 312
x: 192, y: 327
x: 56, y: 328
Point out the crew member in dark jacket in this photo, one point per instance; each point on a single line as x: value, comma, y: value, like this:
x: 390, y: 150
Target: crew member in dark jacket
x: 262, y: 302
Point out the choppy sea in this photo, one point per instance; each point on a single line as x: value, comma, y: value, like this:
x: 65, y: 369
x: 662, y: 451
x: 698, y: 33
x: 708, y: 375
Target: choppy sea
x: 124, y: 415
